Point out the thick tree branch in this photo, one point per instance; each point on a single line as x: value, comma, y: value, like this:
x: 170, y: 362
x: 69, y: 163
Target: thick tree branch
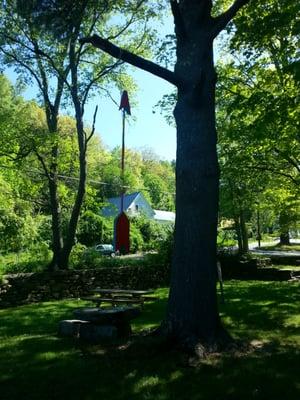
x: 275, y: 172
x: 289, y: 159
x: 222, y: 20
x: 131, y: 58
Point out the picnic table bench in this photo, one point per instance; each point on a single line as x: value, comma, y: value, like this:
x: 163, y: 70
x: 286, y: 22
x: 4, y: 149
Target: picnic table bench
x: 100, y: 323
x: 119, y: 296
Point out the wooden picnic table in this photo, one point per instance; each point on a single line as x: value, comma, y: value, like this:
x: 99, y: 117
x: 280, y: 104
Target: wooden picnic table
x: 117, y: 296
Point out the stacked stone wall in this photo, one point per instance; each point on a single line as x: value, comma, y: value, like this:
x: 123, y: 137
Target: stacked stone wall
x: 35, y: 287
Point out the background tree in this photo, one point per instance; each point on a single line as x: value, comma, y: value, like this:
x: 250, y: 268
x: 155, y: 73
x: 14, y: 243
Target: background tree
x: 267, y: 81
x: 257, y: 103
x: 40, y: 39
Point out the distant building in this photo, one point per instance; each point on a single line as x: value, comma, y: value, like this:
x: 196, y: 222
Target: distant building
x: 134, y: 204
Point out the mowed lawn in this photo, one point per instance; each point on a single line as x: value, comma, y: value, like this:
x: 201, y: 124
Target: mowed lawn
x: 36, y: 364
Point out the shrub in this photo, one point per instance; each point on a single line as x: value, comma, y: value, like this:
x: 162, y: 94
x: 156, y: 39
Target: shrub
x: 226, y: 237
x: 90, y: 229
x: 153, y: 233
x: 77, y: 255
x: 34, y: 259
x: 165, y: 249
x: 136, y: 239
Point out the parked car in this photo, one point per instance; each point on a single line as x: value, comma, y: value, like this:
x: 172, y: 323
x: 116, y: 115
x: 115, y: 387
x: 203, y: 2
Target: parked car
x: 106, y: 249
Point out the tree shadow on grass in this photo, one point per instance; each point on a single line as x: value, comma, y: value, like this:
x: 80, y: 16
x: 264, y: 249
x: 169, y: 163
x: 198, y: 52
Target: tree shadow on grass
x: 36, y: 318
x: 35, y: 364
x: 146, y: 369
x: 265, y: 307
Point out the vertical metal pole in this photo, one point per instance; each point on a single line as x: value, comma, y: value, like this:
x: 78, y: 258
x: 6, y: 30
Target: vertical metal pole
x: 123, y: 162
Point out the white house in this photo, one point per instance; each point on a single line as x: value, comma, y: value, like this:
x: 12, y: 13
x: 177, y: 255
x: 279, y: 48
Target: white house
x: 134, y: 204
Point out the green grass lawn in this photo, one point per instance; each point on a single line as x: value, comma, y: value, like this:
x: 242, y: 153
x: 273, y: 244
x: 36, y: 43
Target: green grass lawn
x: 294, y: 268
x: 36, y: 364
x: 278, y: 247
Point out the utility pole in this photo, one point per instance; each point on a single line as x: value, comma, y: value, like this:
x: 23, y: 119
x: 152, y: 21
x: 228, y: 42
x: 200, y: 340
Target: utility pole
x: 122, y: 225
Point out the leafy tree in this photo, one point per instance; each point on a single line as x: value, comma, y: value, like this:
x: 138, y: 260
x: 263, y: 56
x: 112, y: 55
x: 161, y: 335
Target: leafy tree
x: 286, y: 208
x: 258, y: 107
x: 153, y: 232
x: 40, y: 39
x: 192, y: 317
x: 159, y: 181
x: 90, y: 230
x: 267, y: 84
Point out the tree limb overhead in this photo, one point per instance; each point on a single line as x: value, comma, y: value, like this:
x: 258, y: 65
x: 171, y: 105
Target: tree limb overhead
x: 131, y: 58
x: 222, y: 20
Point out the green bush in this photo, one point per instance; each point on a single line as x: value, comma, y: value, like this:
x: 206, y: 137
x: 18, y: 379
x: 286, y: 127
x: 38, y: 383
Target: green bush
x: 153, y: 233
x: 34, y: 259
x: 77, y: 255
x: 165, y: 249
x: 226, y: 237
x: 90, y: 258
x: 90, y: 229
x: 136, y: 239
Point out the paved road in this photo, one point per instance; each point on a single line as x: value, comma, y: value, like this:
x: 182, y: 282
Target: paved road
x: 254, y: 249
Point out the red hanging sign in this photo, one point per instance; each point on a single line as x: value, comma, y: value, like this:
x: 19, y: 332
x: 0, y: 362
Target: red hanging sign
x: 124, y: 105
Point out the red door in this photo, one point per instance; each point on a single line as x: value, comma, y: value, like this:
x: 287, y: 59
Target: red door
x: 121, y: 233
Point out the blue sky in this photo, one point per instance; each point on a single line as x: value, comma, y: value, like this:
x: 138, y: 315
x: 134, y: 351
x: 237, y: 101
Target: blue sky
x: 146, y: 129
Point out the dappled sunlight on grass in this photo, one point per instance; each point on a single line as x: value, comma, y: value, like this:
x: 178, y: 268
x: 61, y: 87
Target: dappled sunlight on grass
x: 262, y: 309
x: 36, y: 364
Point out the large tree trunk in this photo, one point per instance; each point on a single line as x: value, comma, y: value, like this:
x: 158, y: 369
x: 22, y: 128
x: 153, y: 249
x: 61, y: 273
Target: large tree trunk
x: 192, y: 315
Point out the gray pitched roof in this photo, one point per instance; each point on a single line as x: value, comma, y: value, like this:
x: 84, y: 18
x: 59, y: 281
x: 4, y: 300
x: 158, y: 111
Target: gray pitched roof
x: 115, y: 204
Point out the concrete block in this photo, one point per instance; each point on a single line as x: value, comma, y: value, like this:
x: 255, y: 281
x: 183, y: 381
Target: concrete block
x: 97, y: 333
x: 70, y: 327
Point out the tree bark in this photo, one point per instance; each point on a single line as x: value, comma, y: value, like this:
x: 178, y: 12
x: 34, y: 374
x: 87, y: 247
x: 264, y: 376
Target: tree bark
x: 82, y: 148
x: 70, y: 239
x: 57, y: 239
x: 192, y: 314
x: 192, y: 318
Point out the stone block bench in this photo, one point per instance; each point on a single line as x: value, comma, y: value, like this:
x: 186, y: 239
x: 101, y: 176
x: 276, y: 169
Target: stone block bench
x: 97, y: 324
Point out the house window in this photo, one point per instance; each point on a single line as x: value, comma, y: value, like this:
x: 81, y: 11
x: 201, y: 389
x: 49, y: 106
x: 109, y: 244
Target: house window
x: 136, y: 207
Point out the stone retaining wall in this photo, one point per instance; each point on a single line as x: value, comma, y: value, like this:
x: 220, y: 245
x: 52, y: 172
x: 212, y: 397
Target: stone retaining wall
x: 252, y: 269
x: 29, y: 288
